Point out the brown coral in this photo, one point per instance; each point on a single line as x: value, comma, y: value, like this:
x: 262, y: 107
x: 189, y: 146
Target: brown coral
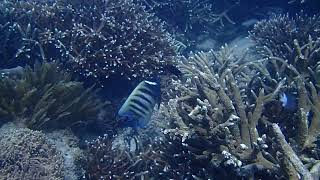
x: 27, y: 154
x: 46, y: 97
x: 216, y: 115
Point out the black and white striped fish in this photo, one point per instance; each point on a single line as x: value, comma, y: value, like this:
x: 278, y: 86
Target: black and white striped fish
x: 138, y: 108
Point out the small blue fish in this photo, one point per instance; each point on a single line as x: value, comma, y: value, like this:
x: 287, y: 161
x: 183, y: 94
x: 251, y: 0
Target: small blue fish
x: 289, y: 101
x: 138, y: 108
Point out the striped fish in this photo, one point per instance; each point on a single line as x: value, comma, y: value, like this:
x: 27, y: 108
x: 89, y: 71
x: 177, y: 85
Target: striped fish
x: 138, y: 108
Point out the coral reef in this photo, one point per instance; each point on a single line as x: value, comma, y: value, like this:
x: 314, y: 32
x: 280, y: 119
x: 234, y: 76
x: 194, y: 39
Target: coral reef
x: 225, y: 118
x: 27, y: 154
x: 136, y: 154
x: 281, y: 33
x: 213, y: 122
x: 109, y: 160
x: 286, y: 40
x: 22, y: 23
x: 213, y: 127
x: 226, y: 132
x: 46, y: 97
x: 120, y: 38
x: 189, y: 19
x: 291, y: 48
x: 300, y: 156
x: 73, y: 156
x: 196, y: 140
x: 189, y: 13
x: 294, y: 59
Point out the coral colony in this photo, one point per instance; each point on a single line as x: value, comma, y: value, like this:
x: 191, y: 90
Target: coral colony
x: 120, y: 38
x: 223, y: 114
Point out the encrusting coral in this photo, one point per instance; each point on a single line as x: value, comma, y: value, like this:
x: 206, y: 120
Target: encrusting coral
x: 27, y: 154
x: 46, y: 97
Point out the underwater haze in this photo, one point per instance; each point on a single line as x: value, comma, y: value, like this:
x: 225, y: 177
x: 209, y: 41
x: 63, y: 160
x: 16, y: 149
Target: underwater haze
x: 159, y: 89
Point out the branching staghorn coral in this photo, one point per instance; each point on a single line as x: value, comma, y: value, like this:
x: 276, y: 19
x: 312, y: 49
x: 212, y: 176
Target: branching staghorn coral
x: 292, y: 55
x: 286, y: 40
x: 295, y: 56
x: 301, y: 157
x: 316, y: 74
x: 296, y: 137
x: 120, y: 38
x: 45, y: 97
x: 215, y: 122
x: 297, y: 65
x: 140, y: 159
x: 213, y: 118
x: 23, y: 24
x: 242, y: 66
x: 279, y: 33
x: 192, y: 17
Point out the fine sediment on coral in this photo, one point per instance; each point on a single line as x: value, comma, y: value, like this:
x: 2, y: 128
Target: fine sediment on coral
x: 27, y: 154
x: 68, y: 145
